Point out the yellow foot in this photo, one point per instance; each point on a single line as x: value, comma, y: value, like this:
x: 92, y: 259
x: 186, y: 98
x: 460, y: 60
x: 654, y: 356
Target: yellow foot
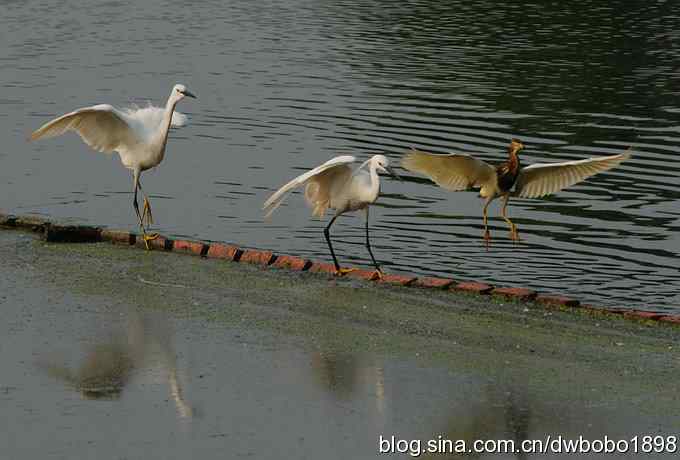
x: 147, y: 217
x: 514, y: 234
x: 149, y: 237
x: 344, y: 271
x: 378, y: 275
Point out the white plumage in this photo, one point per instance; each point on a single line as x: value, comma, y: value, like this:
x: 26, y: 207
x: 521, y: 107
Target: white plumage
x: 153, y: 116
x: 334, y: 185
x: 139, y: 135
x: 453, y: 171
x: 542, y: 179
x: 132, y: 132
x: 319, y: 180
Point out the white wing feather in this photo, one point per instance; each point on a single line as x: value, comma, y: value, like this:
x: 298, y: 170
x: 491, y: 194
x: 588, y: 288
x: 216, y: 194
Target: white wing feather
x: 107, y: 129
x: 279, y: 196
x: 102, y: 127
x: 542, y: 179
x: 452, y: 172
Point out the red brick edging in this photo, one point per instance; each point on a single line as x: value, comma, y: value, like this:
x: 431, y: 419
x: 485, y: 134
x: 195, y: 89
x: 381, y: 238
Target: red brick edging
x: 89, y: 234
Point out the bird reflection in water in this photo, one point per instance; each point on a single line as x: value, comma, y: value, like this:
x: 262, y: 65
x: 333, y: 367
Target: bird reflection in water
x: 104, y: 373
x: 347, y: 376
x: 502, y: 412
x: 108, y: 368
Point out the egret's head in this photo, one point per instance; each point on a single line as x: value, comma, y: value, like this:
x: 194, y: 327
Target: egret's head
x: 179, y: 91
x: 516, y: 146
x: 382, y: 163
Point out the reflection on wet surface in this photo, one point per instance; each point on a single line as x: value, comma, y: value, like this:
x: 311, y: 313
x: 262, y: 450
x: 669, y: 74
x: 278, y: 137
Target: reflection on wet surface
x: 502, y: 412
x: 344, y: 376
x: 418, y: 403
x: 138, y: 355
x: 291, y: 83
x: 103, y: 374
x: 107, y: 368
x: 435, y: 404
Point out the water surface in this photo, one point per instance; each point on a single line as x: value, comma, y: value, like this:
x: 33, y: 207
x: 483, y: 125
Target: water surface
x: 285, y: 85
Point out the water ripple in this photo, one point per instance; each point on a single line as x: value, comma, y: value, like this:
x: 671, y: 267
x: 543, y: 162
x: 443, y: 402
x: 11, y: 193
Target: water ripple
x: 284, y: 85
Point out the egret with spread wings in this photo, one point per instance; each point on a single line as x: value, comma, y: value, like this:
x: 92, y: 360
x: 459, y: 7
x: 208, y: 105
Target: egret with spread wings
x: 139, y: 135
x: 334, y: 185
x: 461, y: 172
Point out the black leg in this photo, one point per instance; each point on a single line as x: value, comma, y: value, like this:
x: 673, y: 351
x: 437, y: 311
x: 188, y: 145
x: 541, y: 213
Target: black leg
x: 135, y: 204
x: 327, y: 234
x: 368, y: 245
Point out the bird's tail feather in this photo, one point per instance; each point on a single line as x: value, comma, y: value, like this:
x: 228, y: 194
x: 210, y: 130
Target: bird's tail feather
x: 317, y: 197
x: 320, y: 209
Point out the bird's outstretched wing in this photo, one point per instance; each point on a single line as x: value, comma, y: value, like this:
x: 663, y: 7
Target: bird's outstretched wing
x: 329, y: 167
x: 102, y: 127
x: 540, y: 180
x: 452, y: 172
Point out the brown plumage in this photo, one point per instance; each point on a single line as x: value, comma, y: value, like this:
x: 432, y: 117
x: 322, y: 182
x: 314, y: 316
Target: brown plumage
x: 461, y: 172
x: 507, y: 172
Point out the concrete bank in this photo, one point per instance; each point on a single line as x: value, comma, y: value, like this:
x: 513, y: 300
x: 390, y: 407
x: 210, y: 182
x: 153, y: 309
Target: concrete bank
x: 187, y: 354
x: 55, y: 232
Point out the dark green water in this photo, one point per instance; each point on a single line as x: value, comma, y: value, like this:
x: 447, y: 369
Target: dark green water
x: 284, y: 85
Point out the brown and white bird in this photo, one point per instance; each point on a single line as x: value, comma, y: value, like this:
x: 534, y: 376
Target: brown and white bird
x: 461, y: 172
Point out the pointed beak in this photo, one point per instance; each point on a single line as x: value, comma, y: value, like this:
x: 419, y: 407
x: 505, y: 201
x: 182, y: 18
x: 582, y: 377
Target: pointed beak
x: 187, y: 93
x: 392, y: 173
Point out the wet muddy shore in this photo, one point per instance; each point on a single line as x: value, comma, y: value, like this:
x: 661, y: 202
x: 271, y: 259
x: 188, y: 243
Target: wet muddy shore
x: 111, y: 352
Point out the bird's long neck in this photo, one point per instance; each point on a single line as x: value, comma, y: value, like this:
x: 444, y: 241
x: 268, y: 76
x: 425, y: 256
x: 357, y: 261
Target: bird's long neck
x: 165, y: 124
x: 507, y: 172
x: 375, y: 180
x: 513, y: 161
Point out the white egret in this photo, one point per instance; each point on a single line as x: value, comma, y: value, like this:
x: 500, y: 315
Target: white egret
x: 461, y: 172
x: 139, y: 135
x: 334, y: 185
